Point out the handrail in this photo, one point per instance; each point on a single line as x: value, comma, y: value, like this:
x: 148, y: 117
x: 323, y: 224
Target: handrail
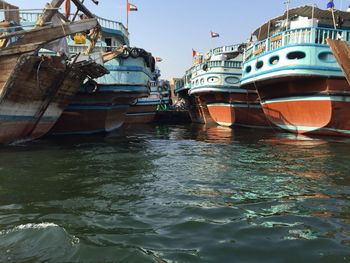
x: 216, y: 63
x: 305, y: 35
x: 106, y: 23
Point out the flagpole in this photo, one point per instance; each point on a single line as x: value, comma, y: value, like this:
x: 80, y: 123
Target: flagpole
x: 127, y: 14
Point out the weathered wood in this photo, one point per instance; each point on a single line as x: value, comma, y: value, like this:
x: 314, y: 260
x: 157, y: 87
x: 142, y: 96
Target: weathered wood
x: 35, y: 39
x: 82, y: 8
x: 341, y: 51
x: 49, y: 13
x: 107, y: 56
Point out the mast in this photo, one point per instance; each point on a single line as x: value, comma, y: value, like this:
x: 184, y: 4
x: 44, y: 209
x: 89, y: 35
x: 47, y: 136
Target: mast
x: 127, y: 14
x: 287, y: 10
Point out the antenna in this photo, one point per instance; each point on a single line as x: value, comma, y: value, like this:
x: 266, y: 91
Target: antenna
x: 287, y: 8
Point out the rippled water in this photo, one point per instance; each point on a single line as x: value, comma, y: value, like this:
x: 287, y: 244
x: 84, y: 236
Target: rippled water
x: 176, y: 194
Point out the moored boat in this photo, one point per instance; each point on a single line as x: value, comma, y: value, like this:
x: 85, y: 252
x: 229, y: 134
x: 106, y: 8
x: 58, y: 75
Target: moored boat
x: 299, y: 81
x: 215, y: 85
x: 144, y: 110
x: 101, y: 104
x: 34, y: 87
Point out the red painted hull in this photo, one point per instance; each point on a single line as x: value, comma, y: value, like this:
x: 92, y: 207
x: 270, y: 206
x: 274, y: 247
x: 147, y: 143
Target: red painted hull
x: 308, y: 106
x: 229, y: 115
x: 232, y: 108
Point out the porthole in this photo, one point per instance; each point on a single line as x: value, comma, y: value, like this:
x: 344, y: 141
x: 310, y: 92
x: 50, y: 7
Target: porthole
x: 213, y: 79
x: 232, y: 80
x: 202, y: 81
x: 248, y: 69
x: 327, y: 57
x: 296, y: 55
x: 259, y: 64
x: 274, y: 60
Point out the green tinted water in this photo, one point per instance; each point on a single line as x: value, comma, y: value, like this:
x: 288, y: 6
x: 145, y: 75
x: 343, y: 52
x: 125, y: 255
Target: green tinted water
x: 176, y: 194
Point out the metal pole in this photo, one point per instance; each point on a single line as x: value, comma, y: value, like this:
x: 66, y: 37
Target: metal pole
x: 127, y: 14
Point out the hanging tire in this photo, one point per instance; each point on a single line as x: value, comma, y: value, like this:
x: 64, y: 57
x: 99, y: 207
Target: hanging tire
x: 125, y: 54
x: 91, y: 86
x: 205, y: 67
x: 135, y: 53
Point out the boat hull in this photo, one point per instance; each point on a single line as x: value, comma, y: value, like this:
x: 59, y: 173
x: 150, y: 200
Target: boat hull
x: 308, y: 106
x: 32, y: 98
x: 230, y: 108
x: 141, y: 114
x: 102, y: 111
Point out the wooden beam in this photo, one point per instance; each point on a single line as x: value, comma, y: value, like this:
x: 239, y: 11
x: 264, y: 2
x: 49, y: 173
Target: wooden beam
x: 83, y: 9
x: 341, y: 51
x: 39, y: 31
x: 49, y: 13
x: 37, y: 39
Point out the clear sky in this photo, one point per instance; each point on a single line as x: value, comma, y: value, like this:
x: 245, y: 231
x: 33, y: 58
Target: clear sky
x: 171, y: 28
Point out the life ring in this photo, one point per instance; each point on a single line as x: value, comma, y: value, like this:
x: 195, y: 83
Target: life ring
x: 67, y: 8
x: 90, y: 86
x: 135, y: 53
x: 205, y: 67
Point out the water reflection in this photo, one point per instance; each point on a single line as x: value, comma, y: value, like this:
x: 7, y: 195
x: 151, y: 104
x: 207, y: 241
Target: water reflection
x: 190, y: 193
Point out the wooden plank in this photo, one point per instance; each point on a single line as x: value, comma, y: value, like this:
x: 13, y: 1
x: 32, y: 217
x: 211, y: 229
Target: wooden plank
x: 31, y: 42
x: 341, y: 51
x: 49, y: 13
x: 82, y: 8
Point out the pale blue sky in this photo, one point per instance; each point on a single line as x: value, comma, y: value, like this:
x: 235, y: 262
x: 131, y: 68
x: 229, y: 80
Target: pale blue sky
x: 171, y: 28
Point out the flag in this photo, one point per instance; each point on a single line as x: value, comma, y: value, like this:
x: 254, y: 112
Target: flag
x: 132, y: 7
x: 194, y: 53
x: 158, y: 59
x: 213, y: 34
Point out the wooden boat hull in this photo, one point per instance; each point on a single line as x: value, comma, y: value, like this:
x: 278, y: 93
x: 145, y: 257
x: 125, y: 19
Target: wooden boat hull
x: 308, y: 106
x: 240, y: 108
x: 102, y: 111
x: 141, y: 114
x: 28, y: 86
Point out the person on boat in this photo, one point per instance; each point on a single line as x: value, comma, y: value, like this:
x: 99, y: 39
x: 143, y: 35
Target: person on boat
x: 330, y: 5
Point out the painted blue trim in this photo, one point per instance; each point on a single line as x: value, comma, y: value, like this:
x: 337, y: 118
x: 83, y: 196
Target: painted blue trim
x: 116, y: 33
x: 80, y: 132
x: 123, y: 88
x: 94, y: 107
x: 296, y: 67
x: 26, y: 118
x: 114, y: 68
x: 284, y: 47
x: 141, y: 113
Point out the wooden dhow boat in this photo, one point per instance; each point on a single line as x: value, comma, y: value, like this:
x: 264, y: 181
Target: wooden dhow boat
x: 301, y: 86
x: 215, y: 85
x: 101, y: 105
x: 35, y: 89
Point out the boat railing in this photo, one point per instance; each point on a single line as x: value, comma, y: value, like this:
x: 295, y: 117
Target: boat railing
x: 224, y: 49
x: 216, y: 64
x: 106, y: 23
x: 309, y: 35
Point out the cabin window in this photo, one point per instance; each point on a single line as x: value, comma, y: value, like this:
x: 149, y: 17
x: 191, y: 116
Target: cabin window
x: 274, y: 60
x: 108, y: 43
x: 326, y: 57
x: 259, y: 64
x: 248, y: 69
x: 296, y: 55
x: 232, y: 80
x: 202, y: 81
x: 213, y: 79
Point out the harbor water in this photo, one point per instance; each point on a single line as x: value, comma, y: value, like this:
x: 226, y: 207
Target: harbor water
x: 186, y: 193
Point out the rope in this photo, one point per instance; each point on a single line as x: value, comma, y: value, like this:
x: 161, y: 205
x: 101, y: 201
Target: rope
x: 37, y: 73
x: 267, y: 119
